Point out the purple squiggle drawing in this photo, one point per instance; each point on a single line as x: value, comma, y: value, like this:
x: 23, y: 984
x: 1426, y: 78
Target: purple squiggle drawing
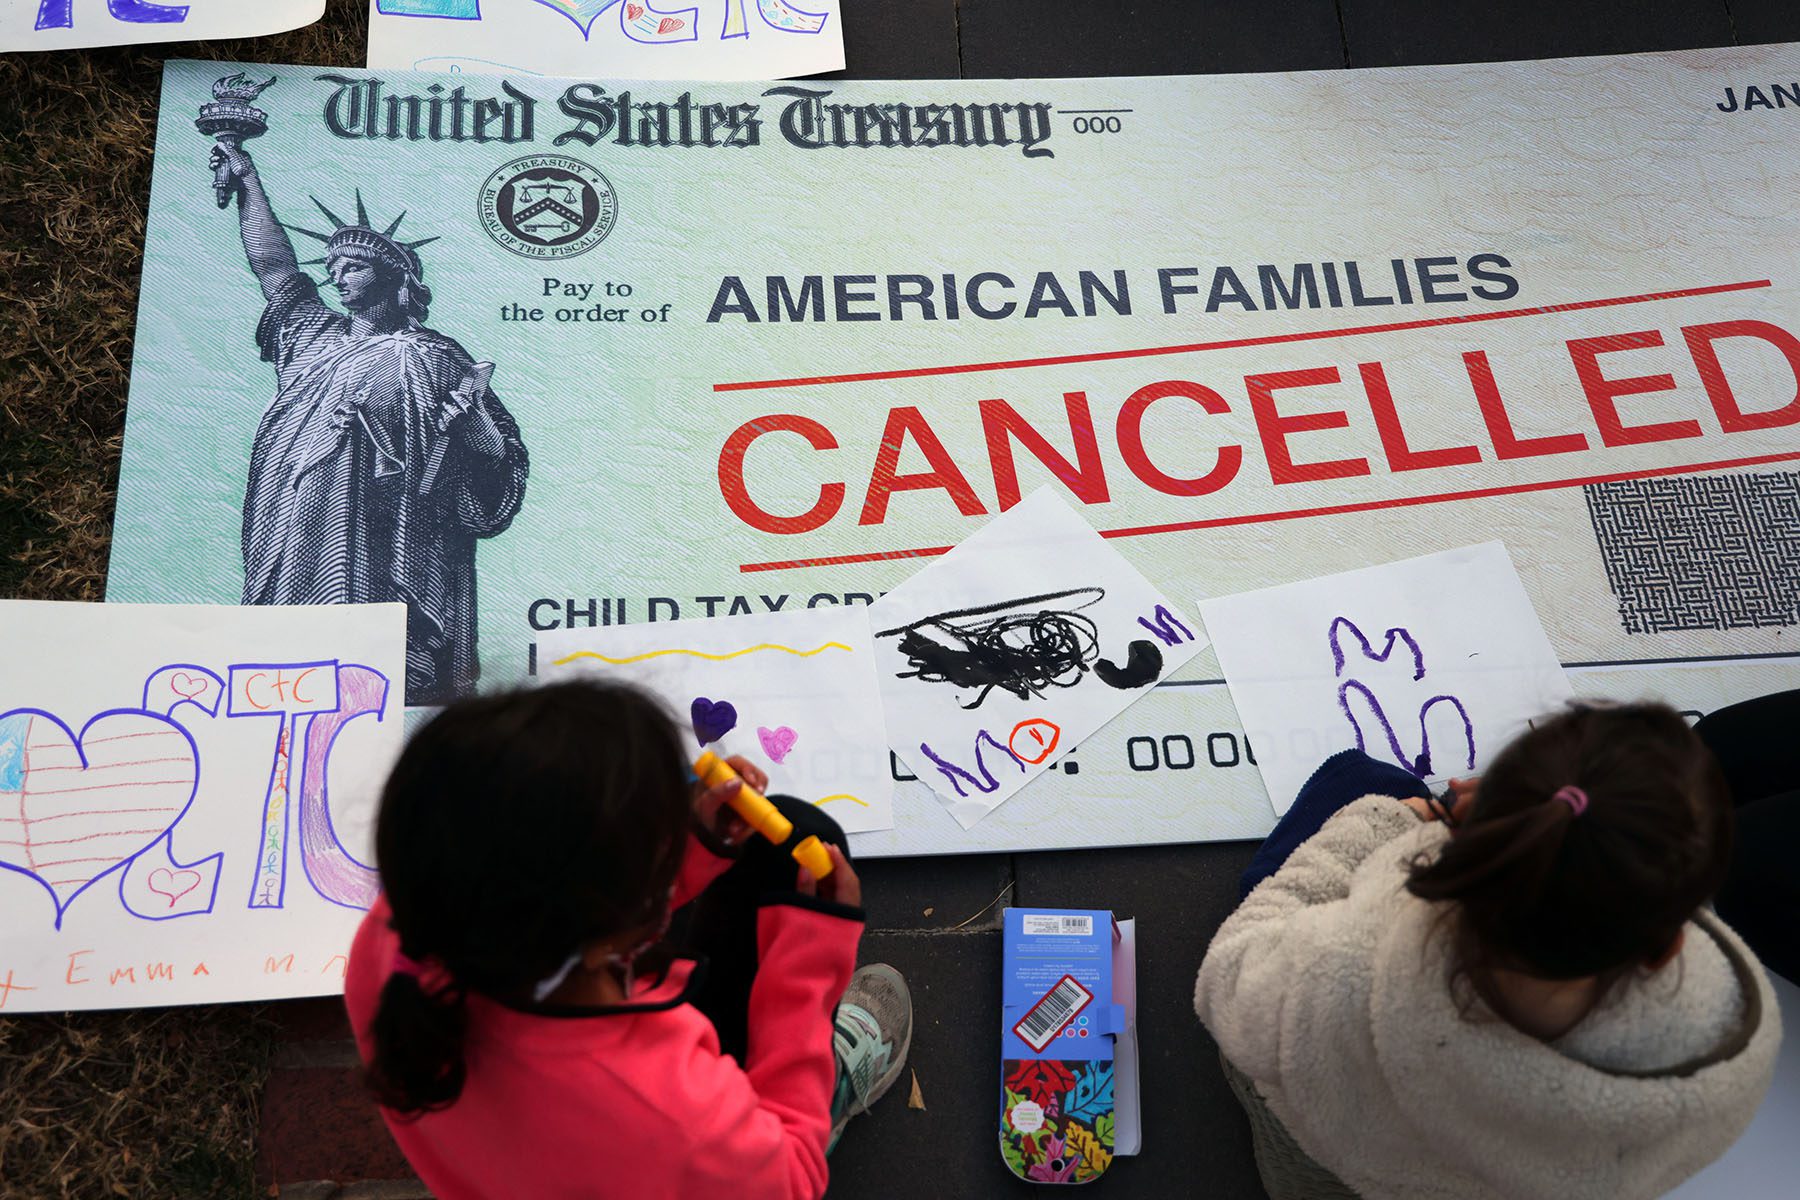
x: 956, y: 775
x: 1422, y: 765
x: 1392, y: 635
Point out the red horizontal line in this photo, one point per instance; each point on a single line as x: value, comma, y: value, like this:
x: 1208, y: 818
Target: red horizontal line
x: 63, y: 862
x: 1294, y: 514
x: 88, y: 812
x: 35, y: 843
x: 120, y: 737
x: 1272, y: 339
x: 105, y: 787
x: 142, y: 762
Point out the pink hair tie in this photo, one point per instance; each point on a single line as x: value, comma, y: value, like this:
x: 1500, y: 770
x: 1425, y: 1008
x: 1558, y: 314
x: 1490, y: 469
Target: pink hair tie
x: 432, y: 975
x: 1574, y: 797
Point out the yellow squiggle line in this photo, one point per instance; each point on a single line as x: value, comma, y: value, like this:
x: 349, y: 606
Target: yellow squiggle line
x: 840, y: 796
x: 619, y: 662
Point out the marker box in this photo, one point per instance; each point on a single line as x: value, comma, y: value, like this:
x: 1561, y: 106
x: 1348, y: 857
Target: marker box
x: 1069, y: 1096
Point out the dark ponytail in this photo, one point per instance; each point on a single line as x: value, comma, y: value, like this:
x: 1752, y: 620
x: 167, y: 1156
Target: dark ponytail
x: 515, y: 829
x: 1560, y: 889
x: 418, y: 1035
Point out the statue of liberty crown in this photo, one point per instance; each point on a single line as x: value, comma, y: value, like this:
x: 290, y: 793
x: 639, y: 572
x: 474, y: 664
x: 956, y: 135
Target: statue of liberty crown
x: 365, y: 241
x: 239, y: 87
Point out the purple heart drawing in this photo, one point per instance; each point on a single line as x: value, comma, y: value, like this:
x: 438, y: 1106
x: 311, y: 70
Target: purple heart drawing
x: 78, y: 806
x: 776, y: 743
x: 713, y: 719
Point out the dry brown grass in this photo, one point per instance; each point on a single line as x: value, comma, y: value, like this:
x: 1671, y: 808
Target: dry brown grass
x: 149, y: 1103
x: 143, y: 1103
x: 76, y: 133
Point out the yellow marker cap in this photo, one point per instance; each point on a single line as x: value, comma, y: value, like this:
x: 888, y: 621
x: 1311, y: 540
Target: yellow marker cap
x: 812, y: 855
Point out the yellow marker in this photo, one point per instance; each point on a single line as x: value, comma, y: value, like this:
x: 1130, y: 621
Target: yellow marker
x: 749, y: 803
x: 812, y: 855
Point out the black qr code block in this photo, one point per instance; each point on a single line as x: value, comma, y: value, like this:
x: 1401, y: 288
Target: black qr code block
x: 1700, y: 551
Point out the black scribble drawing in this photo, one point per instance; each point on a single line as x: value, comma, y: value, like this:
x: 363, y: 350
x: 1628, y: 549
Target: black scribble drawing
x: 384, y: 455
x: 1025, y: 646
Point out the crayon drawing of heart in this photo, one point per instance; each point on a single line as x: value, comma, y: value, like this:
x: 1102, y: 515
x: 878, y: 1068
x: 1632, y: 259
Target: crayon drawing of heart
x: 76, y: 807
x: 582, y: 12
x: 173, y: 885
x: 713, y: 719
x: 777, y: 743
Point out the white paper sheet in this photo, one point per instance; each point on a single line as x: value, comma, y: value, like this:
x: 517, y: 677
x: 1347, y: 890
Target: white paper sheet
x: 609, y: 39
x: 1004, y: 654
x: 64, y: 24
x: 793, y: 692
x: 187, y: 797
x: 1432, y: 663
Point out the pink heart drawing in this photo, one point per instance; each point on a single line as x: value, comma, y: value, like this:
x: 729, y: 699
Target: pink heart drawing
x: 634, y: 11
x: 777, y: 743
x: 190, y: 686
x: 165, y: 882
x: 669, y: 24
x: 76, y: 807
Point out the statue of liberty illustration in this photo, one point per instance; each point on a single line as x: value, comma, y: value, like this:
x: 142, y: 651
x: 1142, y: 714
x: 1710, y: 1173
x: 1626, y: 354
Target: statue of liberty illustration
x: 384, y: 455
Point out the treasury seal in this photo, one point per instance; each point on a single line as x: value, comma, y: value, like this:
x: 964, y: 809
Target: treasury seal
x: 548, y: 206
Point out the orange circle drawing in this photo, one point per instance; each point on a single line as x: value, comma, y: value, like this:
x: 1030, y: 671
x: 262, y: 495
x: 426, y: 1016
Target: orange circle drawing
x: 1034, y: 740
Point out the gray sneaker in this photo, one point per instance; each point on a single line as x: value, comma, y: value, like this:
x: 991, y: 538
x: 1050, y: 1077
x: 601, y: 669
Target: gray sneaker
x: 871, y: 1035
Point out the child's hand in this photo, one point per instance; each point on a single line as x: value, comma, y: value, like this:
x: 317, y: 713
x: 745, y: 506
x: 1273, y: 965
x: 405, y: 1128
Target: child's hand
x: 714, y: 814
x: 1462, y: 798
x: 1459, y: 797
x: 841, y: 885
x: 1420, y: 808
x: 749, y: 772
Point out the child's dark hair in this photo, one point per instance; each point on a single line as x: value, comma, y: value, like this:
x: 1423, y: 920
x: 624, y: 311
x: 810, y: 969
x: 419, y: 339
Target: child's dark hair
x: 1560, y: 891
x: 513, y: 829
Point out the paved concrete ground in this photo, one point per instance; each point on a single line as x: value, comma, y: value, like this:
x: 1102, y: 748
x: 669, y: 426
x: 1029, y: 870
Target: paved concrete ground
x: 938, y: 921
x: 1193, y: 1129
x: 316, y: 1126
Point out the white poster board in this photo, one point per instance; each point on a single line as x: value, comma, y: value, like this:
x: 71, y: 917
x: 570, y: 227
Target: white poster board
x: 66, y: 24
x: 187, y: 798
x: 1008, y: 651
x: 609, y: 39
x: 792, y: 692
x: 1433, y: 664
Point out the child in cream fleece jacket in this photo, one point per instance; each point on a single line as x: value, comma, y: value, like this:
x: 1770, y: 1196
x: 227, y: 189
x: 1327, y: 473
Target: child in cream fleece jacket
x: 1530, y: 1003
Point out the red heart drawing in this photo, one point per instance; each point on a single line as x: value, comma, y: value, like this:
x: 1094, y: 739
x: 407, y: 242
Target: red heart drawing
x: 777, y: 743
x: 164, y: 883
x: 633, y: 11
x: 190, y: 686
x: 670, y: 25
x: 73, y: 808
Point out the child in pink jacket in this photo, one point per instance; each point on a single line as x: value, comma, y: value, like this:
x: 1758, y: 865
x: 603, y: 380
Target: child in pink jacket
x: 525, y: 1030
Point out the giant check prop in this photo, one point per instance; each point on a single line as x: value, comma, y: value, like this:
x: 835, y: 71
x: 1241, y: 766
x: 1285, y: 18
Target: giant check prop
x: 527, y: 353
